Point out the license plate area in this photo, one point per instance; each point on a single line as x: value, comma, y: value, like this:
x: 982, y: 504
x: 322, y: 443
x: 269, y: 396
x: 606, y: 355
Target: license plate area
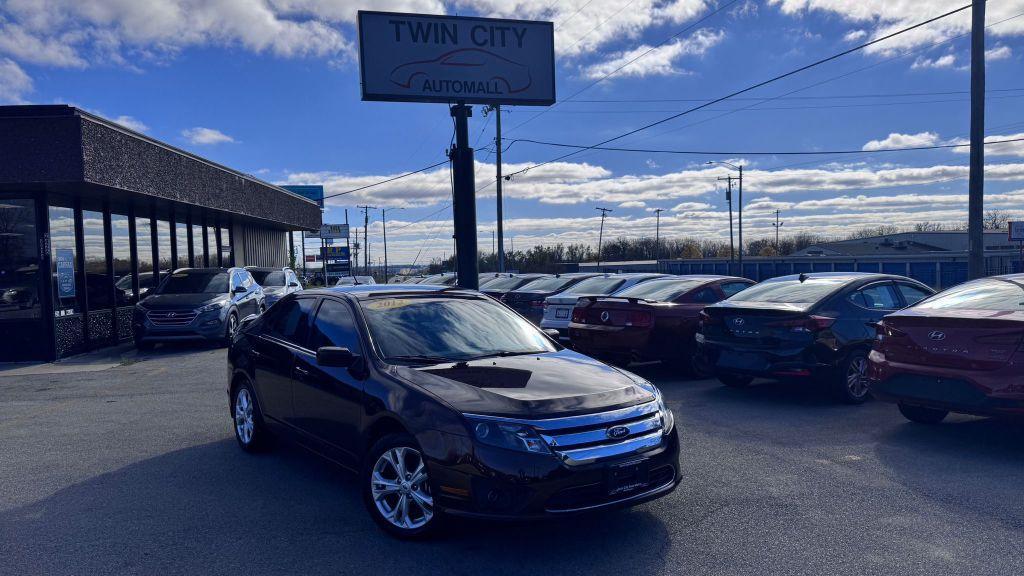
x: 562, y: 313
x: 627, y: 477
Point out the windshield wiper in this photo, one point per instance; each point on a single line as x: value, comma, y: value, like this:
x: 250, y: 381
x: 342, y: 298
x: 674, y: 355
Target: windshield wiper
x: 502, y: 354
x: 421, y: 358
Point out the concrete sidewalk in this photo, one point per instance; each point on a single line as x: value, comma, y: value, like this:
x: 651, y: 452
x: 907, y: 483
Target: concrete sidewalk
x: 96, y: 361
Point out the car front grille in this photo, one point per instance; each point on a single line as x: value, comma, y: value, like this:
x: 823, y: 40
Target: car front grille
x: 579, y: 440
x: 171, y: 317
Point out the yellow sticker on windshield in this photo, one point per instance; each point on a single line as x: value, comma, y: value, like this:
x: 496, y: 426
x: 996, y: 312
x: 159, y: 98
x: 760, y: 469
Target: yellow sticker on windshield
x: 388, y: 303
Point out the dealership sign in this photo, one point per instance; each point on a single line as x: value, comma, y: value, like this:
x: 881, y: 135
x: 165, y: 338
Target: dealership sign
x: 423, y: 58
x: 330, y: 231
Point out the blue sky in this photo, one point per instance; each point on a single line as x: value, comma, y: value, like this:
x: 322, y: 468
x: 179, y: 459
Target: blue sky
x: 271, y: 87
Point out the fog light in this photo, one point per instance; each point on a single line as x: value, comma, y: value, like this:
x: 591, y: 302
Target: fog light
x: 213, y: 322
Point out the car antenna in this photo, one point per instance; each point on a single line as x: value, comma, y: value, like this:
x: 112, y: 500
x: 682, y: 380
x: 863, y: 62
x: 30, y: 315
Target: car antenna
x: 803, y: 277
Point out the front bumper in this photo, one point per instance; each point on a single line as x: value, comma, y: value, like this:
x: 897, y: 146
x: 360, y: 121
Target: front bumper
x: 496, y: 483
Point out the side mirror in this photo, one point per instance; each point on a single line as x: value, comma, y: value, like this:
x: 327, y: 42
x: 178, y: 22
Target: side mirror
x: 552, y: 333
x: 335, y: 356
x: 248, y: 320
x: 239, y: 290
x: 293, y: 284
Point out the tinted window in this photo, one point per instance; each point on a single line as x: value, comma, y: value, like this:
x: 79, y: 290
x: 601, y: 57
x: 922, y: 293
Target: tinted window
x: 732, y: 288
x: 448, y: 328
x: 985, y: 294
x: 598, y: 285
x: 290, y: 322
x: 706, y: 295
x: 912, y: 294
x: 660, y: 290
x: 271, y: 278
x: 880, y: 297
x: 247, y: 280
x: 548, y: 284
x: 195, y: 283
x: 504, y: 283
x: 790, y: 291
x: 335, y: 326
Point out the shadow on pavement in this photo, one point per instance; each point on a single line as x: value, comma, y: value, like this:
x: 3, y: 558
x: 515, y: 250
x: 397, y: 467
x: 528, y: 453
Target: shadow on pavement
x: 213, y: 509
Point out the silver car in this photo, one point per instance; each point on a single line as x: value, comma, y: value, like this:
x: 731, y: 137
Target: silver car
x: 276, y: 282
x: 558, y: 308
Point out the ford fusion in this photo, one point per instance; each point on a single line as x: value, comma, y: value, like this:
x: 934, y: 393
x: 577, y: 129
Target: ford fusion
x: 814, y: 325
x: 197, y: 304
x: 447, y: 404
x: 959, y: 351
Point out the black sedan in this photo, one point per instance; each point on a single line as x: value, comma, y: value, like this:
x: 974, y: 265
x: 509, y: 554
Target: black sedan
x: 499, y: 287
x: 815, y: 325
x: 480, y: 415
x: 528, y: 299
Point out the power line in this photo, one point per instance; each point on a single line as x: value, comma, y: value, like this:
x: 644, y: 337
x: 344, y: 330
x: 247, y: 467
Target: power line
x: 819, y: 97
x: 599, y: 24
x: 751, y: 87
x: 392, y: 179
x: 759, y: 153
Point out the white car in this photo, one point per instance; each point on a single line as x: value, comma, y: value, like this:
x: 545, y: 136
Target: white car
x: 558, y: 308
x: 355, y: 280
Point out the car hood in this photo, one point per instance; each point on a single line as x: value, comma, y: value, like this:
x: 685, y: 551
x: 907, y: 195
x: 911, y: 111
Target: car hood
x: 179, y: 301
x: 532, y: 386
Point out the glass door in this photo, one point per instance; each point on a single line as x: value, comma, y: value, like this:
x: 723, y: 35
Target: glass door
x: 21, y: 320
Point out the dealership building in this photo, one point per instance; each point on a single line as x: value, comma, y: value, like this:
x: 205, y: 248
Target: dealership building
x: 93, y: 214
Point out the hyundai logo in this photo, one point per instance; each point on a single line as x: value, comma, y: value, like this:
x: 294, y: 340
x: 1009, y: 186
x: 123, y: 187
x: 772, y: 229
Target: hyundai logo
x: 616, y: 432
x: 171, y: 314
x: 936, y: 335
x: 605, y: 316
x: 738, y: 321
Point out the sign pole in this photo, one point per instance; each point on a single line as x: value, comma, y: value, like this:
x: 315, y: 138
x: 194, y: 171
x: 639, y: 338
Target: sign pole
x: 464, y: 200
x: 976, y: 178
x: 497, y: 154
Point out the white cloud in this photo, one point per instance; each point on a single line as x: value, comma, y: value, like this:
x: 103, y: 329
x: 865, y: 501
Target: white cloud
x: 131, y: 123
x: 690, y: 206
x: 1005, y: 149
x: 14, y: 82
x: 944, y: 61
x: 855, y: 35
x: 661, y: 62
x: 998, y: 53
x: 897, y: 140
x: 205, y: 136
x: 632, y: 204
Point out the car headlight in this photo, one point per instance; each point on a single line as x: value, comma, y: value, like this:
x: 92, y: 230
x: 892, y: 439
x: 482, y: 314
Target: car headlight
x: 510, y: 435
x: 212, y: 306
x: 668, y: 420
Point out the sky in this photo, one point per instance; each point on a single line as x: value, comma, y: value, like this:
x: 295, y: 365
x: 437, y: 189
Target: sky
x: 271, y: 88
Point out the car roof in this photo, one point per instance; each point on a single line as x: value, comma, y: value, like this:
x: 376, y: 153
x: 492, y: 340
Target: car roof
x: 266, y: 268
x: 835, y: 275
x: 206, y: 269
x: 370, y: 290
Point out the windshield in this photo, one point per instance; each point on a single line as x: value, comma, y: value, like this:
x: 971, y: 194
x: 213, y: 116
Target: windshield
x: 986, y: 294
x: 268, y: 278
x: 660, y: 290
x: 793, y: 291
x: 554, y: 284
x: 441, y: 328
x: 598, y: 285
x: 195, y: 283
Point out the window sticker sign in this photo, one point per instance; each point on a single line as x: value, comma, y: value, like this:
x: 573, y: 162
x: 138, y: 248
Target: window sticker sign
x: 65, y: 258
x: 425, y: 58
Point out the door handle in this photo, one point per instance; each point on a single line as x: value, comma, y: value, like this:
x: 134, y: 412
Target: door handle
x: 301, y: 371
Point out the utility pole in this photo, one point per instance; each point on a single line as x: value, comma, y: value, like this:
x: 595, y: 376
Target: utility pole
x: 728, y: 200
x: 492, y: 244
x: 464, y: 200
x: 657, y: 232
x: 600, y: 235
x: 496, y: 108
x: 777, y: 225
x: 366, y: 243
x: 739, y: 222
x: 384, y: 226
x: 976, y: 184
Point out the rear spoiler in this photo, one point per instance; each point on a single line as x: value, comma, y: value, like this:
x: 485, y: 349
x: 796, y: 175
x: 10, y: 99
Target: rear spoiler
x: 593, y: 299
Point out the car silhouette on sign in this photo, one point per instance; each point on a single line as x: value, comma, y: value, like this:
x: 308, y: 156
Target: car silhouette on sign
x: 465, y: 65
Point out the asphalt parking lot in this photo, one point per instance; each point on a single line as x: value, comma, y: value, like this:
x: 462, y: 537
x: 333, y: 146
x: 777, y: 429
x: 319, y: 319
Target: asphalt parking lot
x: 133, y: 470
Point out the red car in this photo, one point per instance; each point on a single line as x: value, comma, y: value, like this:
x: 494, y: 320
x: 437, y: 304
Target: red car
x: 961, y: 350
x: 654, y: 320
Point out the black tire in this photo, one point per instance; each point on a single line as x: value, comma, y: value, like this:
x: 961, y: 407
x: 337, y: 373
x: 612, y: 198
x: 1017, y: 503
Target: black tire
x: 922, y: 415
x: 851, y: 384
x: 394, y: 447
x: 735, y: 380
x: 247, y: 419
x: 230, y: 327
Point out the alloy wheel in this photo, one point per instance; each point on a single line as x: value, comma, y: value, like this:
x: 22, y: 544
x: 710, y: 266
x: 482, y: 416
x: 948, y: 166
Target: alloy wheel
x: 400, y: 488
x: 232, y: 325
x: 244, y: 423
x: 857, y: 377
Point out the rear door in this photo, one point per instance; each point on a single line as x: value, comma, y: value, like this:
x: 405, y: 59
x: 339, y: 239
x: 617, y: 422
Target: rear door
x: 866, y: 305
x: 329, y: 400
x: 284, y: 332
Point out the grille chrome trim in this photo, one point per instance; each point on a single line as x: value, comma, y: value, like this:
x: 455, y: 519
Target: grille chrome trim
x: 582, y: 421
x: 171, y: 317
x: 580, y: 456
x: 562, y: 441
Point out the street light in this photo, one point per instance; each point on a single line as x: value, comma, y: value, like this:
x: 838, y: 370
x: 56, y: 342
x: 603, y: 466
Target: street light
x: 739, y: 209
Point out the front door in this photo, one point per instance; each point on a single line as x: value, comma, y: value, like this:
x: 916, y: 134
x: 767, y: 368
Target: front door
x: 26, y: 335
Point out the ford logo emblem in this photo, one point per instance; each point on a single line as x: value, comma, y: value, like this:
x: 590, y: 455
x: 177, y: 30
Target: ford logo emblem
x: 738, y: 321
x: 605, y: 316
x: 936, y: 335
x: 616, y: 432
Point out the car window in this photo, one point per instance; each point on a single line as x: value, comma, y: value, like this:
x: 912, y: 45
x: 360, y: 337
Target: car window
x: 791, y: 290
x: 236, y: 280
x: 193, y: 282
x: 598, y: 285
x: 555, y: 284
x: 290, y: 322
x: 732, y: 288
x: 269, y: 277
x: 707, y: 295
x: 247, y: 280
x: 335, y: 326
x: 660, y: 290
x: 984, y: 294
x: 880, y: 297
x: 912, y: 294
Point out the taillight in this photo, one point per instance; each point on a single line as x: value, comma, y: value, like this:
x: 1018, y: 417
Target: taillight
x: 641, y: 319
x: 538, y: 304
x: 545, y: 305
x: 804, y: 324
x: 579, y: 316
